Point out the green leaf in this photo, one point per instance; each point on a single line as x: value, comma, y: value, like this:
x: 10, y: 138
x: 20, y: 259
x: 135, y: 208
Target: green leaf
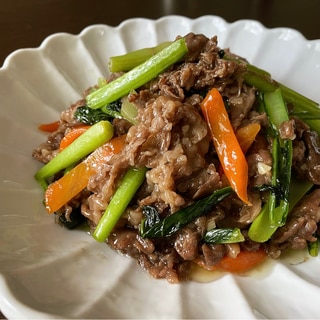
x: 223, y: 236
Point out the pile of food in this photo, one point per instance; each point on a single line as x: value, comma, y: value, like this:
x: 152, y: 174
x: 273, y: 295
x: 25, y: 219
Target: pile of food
x: 187, y: 155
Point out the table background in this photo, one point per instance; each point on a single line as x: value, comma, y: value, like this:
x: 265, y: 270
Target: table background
x: 26, y: 23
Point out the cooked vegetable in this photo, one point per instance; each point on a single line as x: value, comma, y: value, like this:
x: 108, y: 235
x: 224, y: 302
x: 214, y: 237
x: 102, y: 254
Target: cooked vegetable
x: 246, y: 135
x: 226, y: 144
x: 113, y: 109
x: 132, y: 59
x: 93, y: 138
x: 68, y: 186
x: 245, y: 261
x: 223, y: 235
x: 275, y: 211
x: 72, y: 135
x: 90, y: 116
x: 263, y: 81
x: 49, y: 127
x: 59, y: 192
x: 138, y: 76
x: 128, y: 187
x: 153, y: 227
x: 302, y: 105
x: 129, y: 111
x: 314, y: 247
x: 43, y: 184
x: 75, y: 219
x: 298, y: 188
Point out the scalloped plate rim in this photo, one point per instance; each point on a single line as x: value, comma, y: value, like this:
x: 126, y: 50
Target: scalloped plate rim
x: 130, y: 20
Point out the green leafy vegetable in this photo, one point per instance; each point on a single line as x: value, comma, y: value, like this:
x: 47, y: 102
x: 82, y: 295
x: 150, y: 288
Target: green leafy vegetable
x: 301, y: 103
x: 152, y: 216
x: 90, y: 140
x: 138, y: 76
x: 275, y: 210
x: 90, y: 116
x: 128, y: 187
x: 174, y: 222
x: 76, y: 218
x: 223, y: 236
x: 113, y: 109
x: 262, y: 80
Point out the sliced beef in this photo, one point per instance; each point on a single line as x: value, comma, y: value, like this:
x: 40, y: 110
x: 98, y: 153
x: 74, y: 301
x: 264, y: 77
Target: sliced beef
x: 213, y: 253
x: 306, y: 153
x: 186, y: 244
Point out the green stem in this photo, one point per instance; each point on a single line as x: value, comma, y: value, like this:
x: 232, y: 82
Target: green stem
x: 261, y: 229
x: 275, y: 211
x: 272, y: 197
x: 119, y: 202
x: 276, y: 109
x: 90, y: 140
x: 132, y: 59
x: 313, y: 248
x: 138, y: 76
x: 298, y: 188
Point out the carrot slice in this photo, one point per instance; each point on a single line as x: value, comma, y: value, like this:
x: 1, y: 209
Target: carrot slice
x: 63, y: 190
x: 72, y: 135
x: 245, y: 261
x: 49, y: 127
x: 246, y: 135
x: 226, y: 144
x: 72, y: 183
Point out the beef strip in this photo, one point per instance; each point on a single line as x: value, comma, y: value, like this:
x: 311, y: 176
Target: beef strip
x: 306, y: 153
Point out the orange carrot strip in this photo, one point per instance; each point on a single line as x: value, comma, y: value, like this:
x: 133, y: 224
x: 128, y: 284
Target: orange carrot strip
x: 49, y: 127
x: 73, y: 134
x: 63, y: 190
x: 226, y: 144
x: 245, y: 261
x: 72, y: 183
x: 246, y: 135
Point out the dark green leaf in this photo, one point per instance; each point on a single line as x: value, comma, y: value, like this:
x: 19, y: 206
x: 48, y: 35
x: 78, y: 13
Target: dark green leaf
x: 224, y: 235
x: 174, y: 222
x: 152, y: 216
x: 89, y: 116
x: 75, y: 219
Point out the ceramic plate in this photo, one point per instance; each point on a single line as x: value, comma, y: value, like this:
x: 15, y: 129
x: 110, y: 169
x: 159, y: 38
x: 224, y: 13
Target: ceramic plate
x: 49, y: 272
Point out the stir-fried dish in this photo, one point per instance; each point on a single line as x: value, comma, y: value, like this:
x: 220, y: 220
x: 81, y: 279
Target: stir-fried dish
x: 187, y: 155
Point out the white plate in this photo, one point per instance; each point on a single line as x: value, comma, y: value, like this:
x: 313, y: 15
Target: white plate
x: 49, y: 272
